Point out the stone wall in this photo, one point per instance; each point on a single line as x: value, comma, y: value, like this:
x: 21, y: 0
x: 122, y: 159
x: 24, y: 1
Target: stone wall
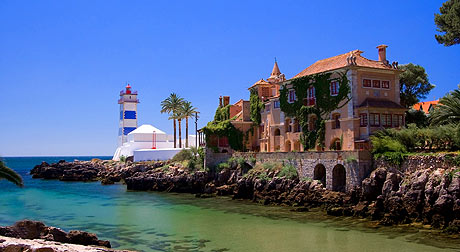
x: 212, y: 159
x: 415, y: 162
x: 356, y: 164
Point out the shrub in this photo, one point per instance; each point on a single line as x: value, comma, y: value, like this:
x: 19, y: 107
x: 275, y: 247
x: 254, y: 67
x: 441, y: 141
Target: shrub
x: 252, y: 160
x: 222, y: 166
x: 288, y: 171
x: 183, y: 155
x: 386, y: 144
x: 269, y: 166
x: 240, y: 161
x: 392, y: 157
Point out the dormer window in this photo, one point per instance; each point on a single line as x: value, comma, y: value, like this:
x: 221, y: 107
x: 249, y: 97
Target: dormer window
x: 367, y: 83
x: 386, y: 84
x: 376, y: 83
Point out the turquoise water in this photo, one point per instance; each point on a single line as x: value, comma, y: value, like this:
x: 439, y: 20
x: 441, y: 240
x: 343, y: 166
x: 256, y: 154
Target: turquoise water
x: 151, y: 221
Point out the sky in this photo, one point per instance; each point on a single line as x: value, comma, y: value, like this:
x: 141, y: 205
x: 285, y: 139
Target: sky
x: 63, y: 63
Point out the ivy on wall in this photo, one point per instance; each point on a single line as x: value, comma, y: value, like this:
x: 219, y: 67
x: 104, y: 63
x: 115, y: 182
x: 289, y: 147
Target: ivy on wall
x: 256, y: 106
x: 223, y: 127
x: 222, y: 113
x: 323, y: 106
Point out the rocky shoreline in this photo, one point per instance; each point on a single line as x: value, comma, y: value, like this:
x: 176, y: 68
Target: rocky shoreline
x: 28, y: 235
x: 426, y: 189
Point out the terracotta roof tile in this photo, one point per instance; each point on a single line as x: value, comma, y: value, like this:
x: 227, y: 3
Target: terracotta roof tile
x: 425, y: 106
x: 340, y: 61
x: 260, y: 82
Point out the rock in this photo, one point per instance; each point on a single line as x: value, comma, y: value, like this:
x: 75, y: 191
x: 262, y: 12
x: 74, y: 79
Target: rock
x: 8, y: 244
x: 28, y: 229
x: 85, y: 238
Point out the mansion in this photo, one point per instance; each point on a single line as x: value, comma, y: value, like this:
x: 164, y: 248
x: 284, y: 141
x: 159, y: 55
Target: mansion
x: 374, y: 104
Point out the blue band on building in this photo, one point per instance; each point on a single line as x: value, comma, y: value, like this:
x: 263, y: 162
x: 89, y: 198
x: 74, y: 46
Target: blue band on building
x: 130, y: 114
x: 126, y: 130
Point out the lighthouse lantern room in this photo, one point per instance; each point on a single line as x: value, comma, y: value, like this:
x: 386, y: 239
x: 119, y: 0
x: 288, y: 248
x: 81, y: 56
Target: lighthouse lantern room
x: 128, y: 113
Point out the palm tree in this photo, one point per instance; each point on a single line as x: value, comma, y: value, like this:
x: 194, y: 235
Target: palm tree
x: 10, y: 175
x: 171, y: 106
x: 187, y: 111
x: 448, y: 109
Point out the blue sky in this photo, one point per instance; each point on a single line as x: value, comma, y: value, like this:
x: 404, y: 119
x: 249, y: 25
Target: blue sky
x: 63, y: 63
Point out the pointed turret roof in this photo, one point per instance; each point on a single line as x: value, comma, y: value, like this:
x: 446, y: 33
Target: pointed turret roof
x: 276, y: 71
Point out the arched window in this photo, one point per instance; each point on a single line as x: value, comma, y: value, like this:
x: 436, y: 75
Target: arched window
x: 277, y: 132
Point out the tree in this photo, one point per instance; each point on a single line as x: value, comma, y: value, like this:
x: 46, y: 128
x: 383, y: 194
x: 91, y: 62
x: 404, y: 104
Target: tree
x: 414, y: 84
x: 187, y: 111
x: 448, y: 23
x: 10, y: 175
x: 448, y: 109
x: 418, y: 117
x: 171, y: 106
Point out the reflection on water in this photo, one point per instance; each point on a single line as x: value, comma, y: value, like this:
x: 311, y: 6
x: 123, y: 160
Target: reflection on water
x: 151, y: 221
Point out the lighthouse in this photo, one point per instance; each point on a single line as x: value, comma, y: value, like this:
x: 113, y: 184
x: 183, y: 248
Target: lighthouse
x: 128, y: 113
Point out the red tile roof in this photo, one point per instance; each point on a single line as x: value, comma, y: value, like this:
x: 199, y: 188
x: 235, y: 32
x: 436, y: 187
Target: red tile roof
x: 341, y: 61
x: 260, y: 82
x: 425, y: 106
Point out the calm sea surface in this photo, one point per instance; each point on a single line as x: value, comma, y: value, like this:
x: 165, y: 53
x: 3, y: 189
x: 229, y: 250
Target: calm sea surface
x: 150, y: 221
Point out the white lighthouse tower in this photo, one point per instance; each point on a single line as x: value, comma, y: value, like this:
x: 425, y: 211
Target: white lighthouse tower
x: 128, y: 113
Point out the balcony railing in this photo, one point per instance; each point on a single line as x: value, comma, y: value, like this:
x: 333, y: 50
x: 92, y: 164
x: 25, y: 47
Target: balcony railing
x: 121, y: 100
x: 122, y: 92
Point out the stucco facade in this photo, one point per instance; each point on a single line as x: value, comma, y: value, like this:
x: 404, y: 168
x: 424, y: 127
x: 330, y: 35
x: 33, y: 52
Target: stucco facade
x: 374, y: 104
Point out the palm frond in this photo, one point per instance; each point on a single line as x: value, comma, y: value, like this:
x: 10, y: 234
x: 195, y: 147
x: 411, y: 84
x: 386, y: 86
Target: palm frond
x: 10, y: 175
x: 448, y: 109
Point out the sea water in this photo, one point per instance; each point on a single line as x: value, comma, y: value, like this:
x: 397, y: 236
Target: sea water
x: 152, y: 221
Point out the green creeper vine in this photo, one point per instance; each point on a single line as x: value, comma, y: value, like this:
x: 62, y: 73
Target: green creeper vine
x: 222, y: 126
x: 256, y: 106
x: 222, y: 113
x: 324, y: 104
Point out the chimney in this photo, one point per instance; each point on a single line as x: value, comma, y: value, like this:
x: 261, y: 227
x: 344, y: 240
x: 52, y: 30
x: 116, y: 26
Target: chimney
x: 382, y: 53
x: 226, y: 100
x: 220, y: 101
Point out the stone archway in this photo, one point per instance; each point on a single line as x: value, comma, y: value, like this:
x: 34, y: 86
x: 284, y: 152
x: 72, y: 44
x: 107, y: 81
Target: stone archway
x: 339, y: 178
x: 319, y: 173
x: 287, y: 146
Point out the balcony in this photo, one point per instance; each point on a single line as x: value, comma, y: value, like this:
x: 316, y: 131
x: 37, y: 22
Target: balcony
x: 121, y: 100
x: 122, y: 92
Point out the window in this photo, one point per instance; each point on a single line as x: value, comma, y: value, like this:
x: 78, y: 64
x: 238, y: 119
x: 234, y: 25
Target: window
x: 374, y: 119
x: 376, y: 83
x: 311, y: 92
x: 311, y: 96
x: 336, y: 121
x: 367, y: 83
x: 276, y: 104
x: 363, y: 120
x: 292, y: 96
x: 386, y: 120
x: 386, y: 84
x: 334, y: 88
x: 397, y: 120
